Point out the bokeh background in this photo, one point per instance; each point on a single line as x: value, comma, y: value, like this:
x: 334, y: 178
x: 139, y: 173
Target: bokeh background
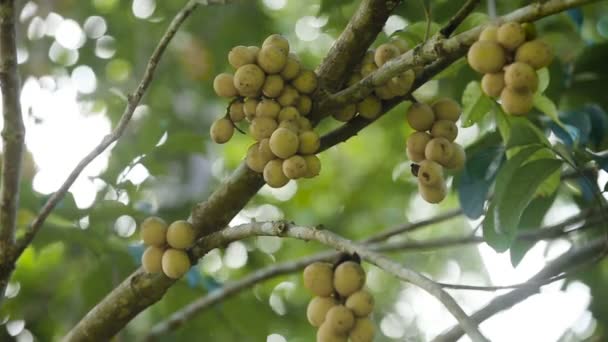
x: 79, y: 60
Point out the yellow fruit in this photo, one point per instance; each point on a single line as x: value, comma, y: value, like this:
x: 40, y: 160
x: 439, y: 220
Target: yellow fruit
x: 444, y: 128
x: 493, y: 84
x: 284, y: 143
x: 401, y: 44
x: 489, y: 33
x: 249, y: 107
x: 151, y: 260
x: 384, y: 92
x: 258, y: 155
x: 401, y: 84
x: 289, y: 96
x: 536, y: 53
x: 236, y: 111
x: 416, y: 143
x: 271, y: 59
x: 363, y: 331
x: 249, y: 79
x: 361, y: 303
x: 458, y: 159
x: 292, y: 67
x: 221, y: 130
x: 181, y: 234
x: 294, y: 167
x: 175, y: 263
x: 267, y: 108
x: 304, y: 104
x: 304, y: 124
x: 370, y: 107
x: 317, y: 309
x: 241, y: 55
x: 340, y: 318
x: 273, y: 174
x: 516, y: 102
x: 384, y: 53
x: 439, y: 150
x: 305, y: 82
x: 346, y: 113
x: 309, y: 142
x: 318, y: 278
x: 153, y: 231
x: 510, y: 35
x: 288, y: 113
x: 368, y: 68
x: 313, y: 166
x: 273, y: 86
x: 415, y: 157
x: 349, y: 278
x: 254, y: 51
x: 291, y: 125
x: 420, y: 116
x: 486, y: 57
x: 521, y: 77
x: 261, y: 128
x: 277, y: 41
x: 446, y: 109
x: 327, y: 334
x: 430, y: 173
x: 434, y: 194
x: 223, y: 84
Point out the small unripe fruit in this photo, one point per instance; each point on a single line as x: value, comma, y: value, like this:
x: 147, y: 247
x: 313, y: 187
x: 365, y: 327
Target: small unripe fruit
x: 446, y: 109
x: 304, y: 124
x: 151, y: 260
x: 273, y: 174
x: 444, y: 128
x: 510, y: 35
x: 181, y: 234
x: 241, y: 55
x: 368, y: 68
x: 249, y: 107
x: 361, y: 303
x: 493, y: 84
x: 288, y: 113
x: 340, y: 319
x: 273, y: 86
x: 249, y: 79
x: 221, y: 130
x: 271, y: 59
x: 516, y: 102
x: 384, y: 92
x: 458, y: 159
x: 284, y: 143
x: 294, y: 167
x: 489, y: 33
x: 309, y: 142
x: 402, y: 83
x: 277, y: 41
x: 536, y: 53
x: 318, y: 279
x: 175, y: 263
x: 420, y: 116
x: 267, y: 108
x: 304, y: 104
x: 439, y: 150
x: 433, y: 194
x: 313, y: 166
x: 430, y: 173
x: 261, y: 128
x: 416, y: 143
x: 349, y: 278
x: 521, y: 77
x: 384, y: 53
x: 236, y: 111
x: 223, y: 84
x: 370, y: 107
x: 288, y: 97
x: 363, y: 331
x: 327, y: 334
x: 317, y: 309
x: 346, y: 113
x: 486, y: 57
x: 292, y: 67
x: 305, y: 82
x: 153, y: 231
x: 401, y: 44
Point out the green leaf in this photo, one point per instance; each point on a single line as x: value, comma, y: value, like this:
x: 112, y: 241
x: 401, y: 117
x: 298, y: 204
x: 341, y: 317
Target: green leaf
x: 473, y: 20
x: 504, y: 128
x: 545, y: 105
x: 475, y: 104
x: 543, y: 80
x: 523, y: 132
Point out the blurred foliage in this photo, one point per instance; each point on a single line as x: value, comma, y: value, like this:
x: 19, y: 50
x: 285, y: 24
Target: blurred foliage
x: 365, y: 184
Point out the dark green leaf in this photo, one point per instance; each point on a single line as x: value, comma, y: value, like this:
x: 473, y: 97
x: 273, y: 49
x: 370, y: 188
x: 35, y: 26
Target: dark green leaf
x: 523, y: 132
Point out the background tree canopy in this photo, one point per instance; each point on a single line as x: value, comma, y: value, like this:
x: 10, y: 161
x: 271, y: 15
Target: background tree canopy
x: 80, y: 60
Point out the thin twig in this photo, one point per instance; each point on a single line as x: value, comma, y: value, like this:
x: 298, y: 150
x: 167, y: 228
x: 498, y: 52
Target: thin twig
x: 493, y: 288
x: 458, y: 18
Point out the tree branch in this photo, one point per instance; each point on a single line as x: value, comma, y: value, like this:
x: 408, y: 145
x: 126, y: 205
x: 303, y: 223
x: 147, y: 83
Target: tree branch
x: 458, y: 18
x: 13, y: 136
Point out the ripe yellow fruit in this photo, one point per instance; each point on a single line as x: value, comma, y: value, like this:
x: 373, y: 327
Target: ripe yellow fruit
x: 241, y: 55
x: 223, y: 84
x: 318, y: 278
x: 258, y: 155
x: 493, y: 84
x: 151, y: 260
x: 434, y: 194
x: 414, y: 156
x: 288, y: 96
x: 439, y: 150
x: 430, y: 173
x: 537, y: 53
x: 458, y: 159
x: 416, y: 143
x: 313, y: 166
x: 420, y: 116
x: 305, y: 82
x: 516, y: 102
x: 273, y: 86
x: 273, y: 174
x: 361, y: 303
x: 236, y: 111
x: 267, y: 108
x: 181, y: 234
x: 346, y: 113
x: 349, y: 278
x: 295, y: 167
x: 363, y: 331
x: 340, y: 318
x: 327, y: 334
x: 249, y: 107
x: 304, y: 124
x: 292, y: 67
x: 254, y: 51
x: 401, y: 44
x: 153, y: 231
x: 489, y: 33
x: 401, y: 84
x: 510, y: 35
x: 271, y: 59
x: 384, y: 92
x: 221, y: 130
x: 291, y: 125
x: 521, y: 77
x: 384, y: 53
x: 309, y: 142
x: 444, y: 128
x: 175, y: 263
x: 486, y: 56
x: 284, y: 143
x: 261, y: 128
x: 317, y: 309
x: 249, y: 79
x: 446, y: 109
x: 370, y: 107
x: 277, y: 41
x: 304, y: 104
x: 288, y: 113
